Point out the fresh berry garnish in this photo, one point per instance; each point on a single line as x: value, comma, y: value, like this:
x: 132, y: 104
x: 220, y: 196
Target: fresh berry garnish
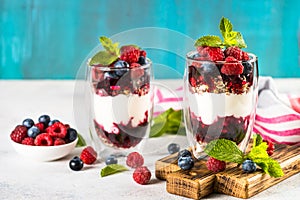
x: 88, y: 155
x: 57, y: 129
x: 28, y: 141
x: 33, y: 132
x: 248, y: 166
x: 185, y: 162
x: 19, y: 133
x: 142, y: 60
x: 134, y: 160
x: 44, y: 119
x: 111, y: 160
x: 235, y: 52
x: 40, y: 126
x: 130, y: 54
x: 71, y: 134
x: 121, y: 64
x: 215, y: 165
x: 245, y: 56
x: 142, y: 175
x: 28, y: 122
x: 143, y: 53
x: 184, y: 153
x: 173, y: 148
x: 271, y: 148
x: 247, y: 68
x: 76, y: 164
x: 232, y: 66
x: 43, y: 139
x: 58, y: 141
x: 211, y: 53
x: 53, y: 122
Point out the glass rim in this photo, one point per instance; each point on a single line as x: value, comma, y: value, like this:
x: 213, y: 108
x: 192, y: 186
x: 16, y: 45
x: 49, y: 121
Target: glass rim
x: 253, y: 57
x: 106, y: 68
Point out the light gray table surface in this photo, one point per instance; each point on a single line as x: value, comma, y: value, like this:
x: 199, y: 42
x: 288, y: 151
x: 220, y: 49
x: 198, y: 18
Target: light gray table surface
x: 21, y: 178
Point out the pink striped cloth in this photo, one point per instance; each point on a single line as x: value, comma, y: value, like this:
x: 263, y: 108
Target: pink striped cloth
x: 277, y: 115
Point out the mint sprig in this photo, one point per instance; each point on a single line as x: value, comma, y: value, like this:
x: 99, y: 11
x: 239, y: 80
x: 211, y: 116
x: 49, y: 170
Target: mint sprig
x: 230, y: 37
x: 226, y: 150
x: 81, y: 142
x: 112, y: 169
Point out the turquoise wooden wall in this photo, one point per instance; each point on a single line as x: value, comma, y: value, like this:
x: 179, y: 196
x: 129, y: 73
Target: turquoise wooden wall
x: 49, y: 39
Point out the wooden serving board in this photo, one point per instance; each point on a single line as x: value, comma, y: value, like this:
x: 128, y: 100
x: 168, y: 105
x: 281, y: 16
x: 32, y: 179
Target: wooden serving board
x: 200, y: 182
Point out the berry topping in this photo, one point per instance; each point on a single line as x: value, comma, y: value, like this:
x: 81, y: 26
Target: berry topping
x: 44, y: 119
x: 130, y: 54
x: 43, y: 139
x: 143, y: 53
x: 232, y: 66
x: 185, y: 162
x: 173, y: 148
x: 121, y: 64
x: 33, y: 131
x: 19, y: 133
x: 71, y: 134
x: 28, y: 122
x: 210, y: 53
x: 247, y: 68
x: 184, y: 153
x: 248, y: 166
x: 235, y: 52
x: 57, y: 129
x: 88, y: 155
x: 76, y: 164
x: 142, y: 175
x: 58, y: 141
x: 245, y: 56
x: 134, y: 160
x: 215, y: 165
x: 28, y: 141
x: 40, y: 126
x: 142, y: 60
x: 111, y: 160
x: 52, y: 122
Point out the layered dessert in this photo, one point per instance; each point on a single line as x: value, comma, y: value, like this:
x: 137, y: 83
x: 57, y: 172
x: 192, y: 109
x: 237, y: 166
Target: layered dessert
x: 220, y: 90
x: 121, y: 98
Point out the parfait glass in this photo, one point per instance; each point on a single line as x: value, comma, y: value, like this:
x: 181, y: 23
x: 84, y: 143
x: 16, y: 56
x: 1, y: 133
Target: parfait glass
x: 218, y: 105
x: 120, y: 107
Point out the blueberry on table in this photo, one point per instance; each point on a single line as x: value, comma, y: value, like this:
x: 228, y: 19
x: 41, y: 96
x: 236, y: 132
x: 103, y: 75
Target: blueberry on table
x: 76, y: 164
x: 33, y: 131
x: 53, y: 122
x: 111, y: 160
x: 248, y: 166
x: 28, y: 122
x: 186, y: 162
x: 184, y: 153
x: 45, y: 119
x: 173, y: 148
x: 71, y: 134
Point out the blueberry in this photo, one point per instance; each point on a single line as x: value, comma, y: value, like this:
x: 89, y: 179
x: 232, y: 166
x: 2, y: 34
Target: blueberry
x: 248, y: 166
x: 247, y: 68
x: 110, y: 75
x: 184, y: 153
x: 121, y: 64
x: 76, y: 164
x: 111, y: 160
x: 33, y: 131
x: 28, y: 122
x: 142, y: 60
x: 45, y: 119
x: 209, y: 68
x: 186, y: 162
x: 71, y: 134
x: 53, y: 122
x: 173, y: 148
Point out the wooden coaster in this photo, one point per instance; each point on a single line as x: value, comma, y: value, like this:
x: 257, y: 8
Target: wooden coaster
x: 200, y: 182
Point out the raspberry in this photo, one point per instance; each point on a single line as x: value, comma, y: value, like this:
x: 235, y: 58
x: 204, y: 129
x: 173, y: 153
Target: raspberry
x: 28, y: 141
x: 134, y: 160
x: 57, y: 129
x: 143, y: 53
x: 211, y: 53
x: 142, y: 175
x: 235, y: 52
x: 40, y: 126
x: 271, y: 148
x: 88, y: 155
x: 43, y: 139
x: 59, y: 141
x: 130, y: 54
x: 19, y: 133
x: 245, y: 56
x: 215, y: 165
x: 232, y: 67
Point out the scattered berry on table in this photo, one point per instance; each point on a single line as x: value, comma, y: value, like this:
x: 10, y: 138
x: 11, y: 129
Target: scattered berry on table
x: 173, y: 148
x: 215, y: 165
x: 235, y: 52
x: 44, y: 119
x: 271, y: 148
x: 76, y: 163
x: 58, y: 141
x: 19, y: 133
x: 57, y: 129
x: 33, y: 131
x: 134, y: 160
x: 71, y: 134
x: 249, y: 166
x: 111, y: 160
x: 88, y: 155
x: 52, y: 122
x: 28, y: 141
x: 142, y: 175
x: 28, y: 122
x: 40, y: 126
x: 185, y: 162
x: 43, y: 139
x: 184, y: 153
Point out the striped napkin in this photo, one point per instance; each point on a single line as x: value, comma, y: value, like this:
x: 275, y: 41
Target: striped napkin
x: 277, y: 115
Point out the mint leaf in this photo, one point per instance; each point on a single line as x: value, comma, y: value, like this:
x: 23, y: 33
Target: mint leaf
x: 103, y: 58
x: 109, y: 46
x: 225, y: 26
x: 258, y: 152
x: 81, y: 142
x: 257, y: 140
x: 112, y: 169
x: 225, y: 150
x: 209, y: 40
x: 274, y: 169
x: 159, y: 126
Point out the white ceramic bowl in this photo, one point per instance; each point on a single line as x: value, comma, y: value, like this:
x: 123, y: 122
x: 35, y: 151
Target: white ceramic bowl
x: 44, y: 153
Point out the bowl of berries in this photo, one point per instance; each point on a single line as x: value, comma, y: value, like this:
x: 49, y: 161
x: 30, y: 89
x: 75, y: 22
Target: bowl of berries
x: 45, y: 140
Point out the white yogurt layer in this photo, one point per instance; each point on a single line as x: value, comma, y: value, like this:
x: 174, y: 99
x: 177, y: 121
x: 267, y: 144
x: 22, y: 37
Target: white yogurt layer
x: 209, y: 106
x: 121, y: 109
